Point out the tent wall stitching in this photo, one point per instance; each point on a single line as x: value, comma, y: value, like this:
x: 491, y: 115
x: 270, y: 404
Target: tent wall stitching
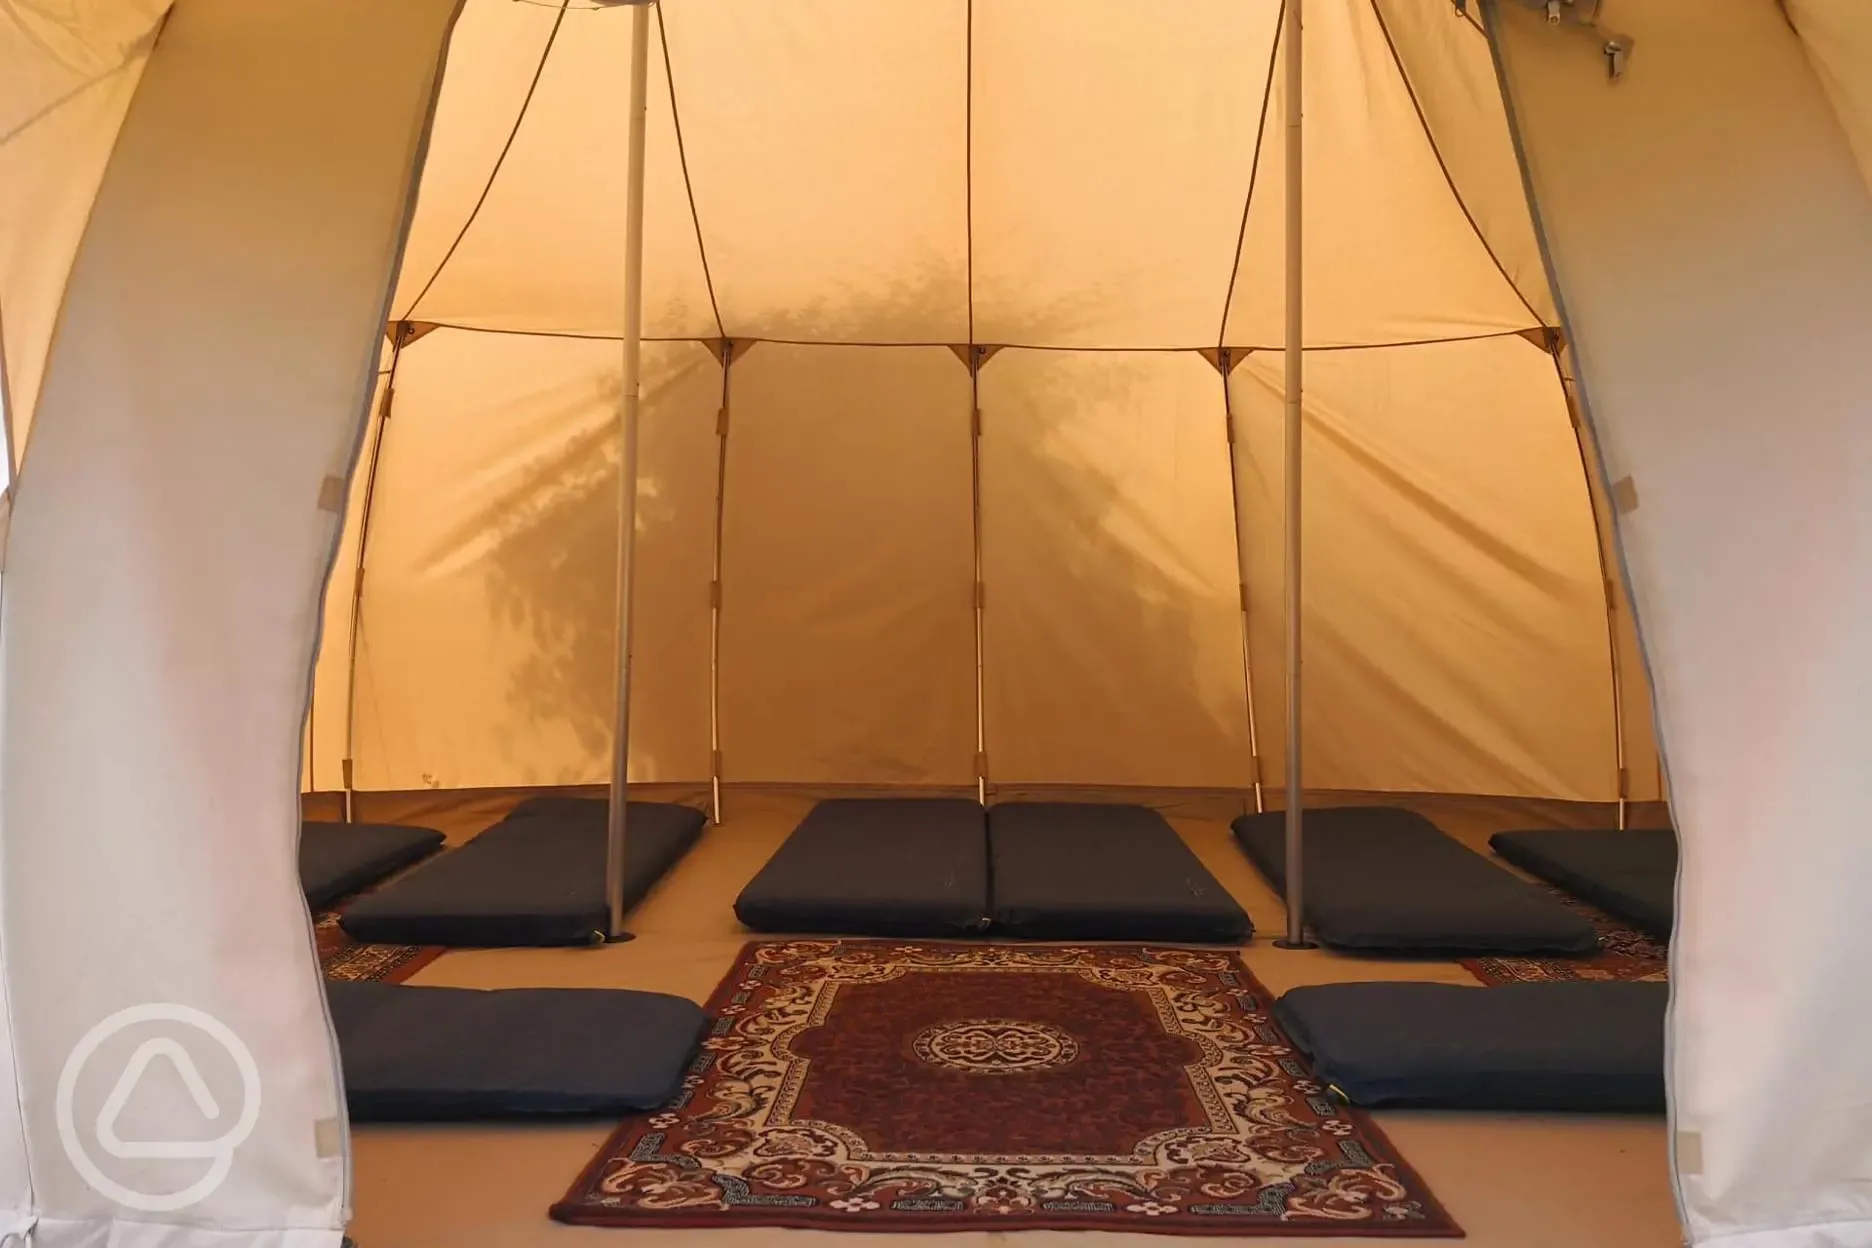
x: 16, y: 461
x: 974, y: 360
x: 1239, y: 348
x: 1254, y: 173
x: 968, y: 172
x: 695, y: 215
x: 526, y: 102
x: 1410, y: 90
x: 136, y: 49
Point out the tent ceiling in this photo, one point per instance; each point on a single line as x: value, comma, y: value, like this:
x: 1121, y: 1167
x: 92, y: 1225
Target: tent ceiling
x: 1059, y: 173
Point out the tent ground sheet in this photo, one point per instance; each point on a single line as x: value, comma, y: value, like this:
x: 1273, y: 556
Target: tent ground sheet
x: 1510, y: 1180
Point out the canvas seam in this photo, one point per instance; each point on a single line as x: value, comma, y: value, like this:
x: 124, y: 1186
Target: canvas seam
x: 539, y: 71
x: 682, y: 158
x: 1254, y: 175
x: 1449, y: 180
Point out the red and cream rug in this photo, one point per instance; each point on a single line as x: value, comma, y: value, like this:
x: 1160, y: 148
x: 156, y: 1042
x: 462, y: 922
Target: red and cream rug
x: 1625, y: 953
x: 340, y: 957
x: 880, y: 1086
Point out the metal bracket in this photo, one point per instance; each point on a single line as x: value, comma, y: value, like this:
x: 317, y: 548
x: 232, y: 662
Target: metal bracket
x: 1580, y: 15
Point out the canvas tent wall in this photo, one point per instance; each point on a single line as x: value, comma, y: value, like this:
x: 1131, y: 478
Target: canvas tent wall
x: 864, y: 207
x: 1096, y: 199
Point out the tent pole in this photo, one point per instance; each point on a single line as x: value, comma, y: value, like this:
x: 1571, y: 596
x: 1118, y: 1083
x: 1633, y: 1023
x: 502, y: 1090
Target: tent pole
x: 715, y: 590
x: 399, y: 338
x: 6, y: 406
x: 1225, y: 362
x: 627, y: 465
x: 981, y: 709
x: 1556, y: 348
x: 1295, y: 359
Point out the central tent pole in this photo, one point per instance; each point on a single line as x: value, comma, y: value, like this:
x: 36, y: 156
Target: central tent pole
x: 627, y: 466
x: 1295, y: 937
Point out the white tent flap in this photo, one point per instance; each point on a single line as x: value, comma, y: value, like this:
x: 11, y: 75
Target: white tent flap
x: 161, y: 608
x: 1712, y: 240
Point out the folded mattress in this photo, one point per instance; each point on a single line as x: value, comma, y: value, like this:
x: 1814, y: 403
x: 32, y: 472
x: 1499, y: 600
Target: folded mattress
x: 337, y: 859
x: 1630, y: 874
x: 535, y: 878
x: 876, y: 867
x: 421, y: 1054
x: 1580, y: 1045
x: 1383, y: 879
x: 1080, y: 871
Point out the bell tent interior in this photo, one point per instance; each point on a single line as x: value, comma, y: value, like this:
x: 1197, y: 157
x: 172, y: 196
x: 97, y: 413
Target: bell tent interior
x: 979, y: 438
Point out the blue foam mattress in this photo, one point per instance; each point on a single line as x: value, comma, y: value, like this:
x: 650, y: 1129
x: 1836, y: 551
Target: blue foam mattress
x: 1568, y: 1046
x: 422, y: 1054
x: 535, y: 878
x: 876, y: 867
x: 1080, y: 871
x: 1382, y: 879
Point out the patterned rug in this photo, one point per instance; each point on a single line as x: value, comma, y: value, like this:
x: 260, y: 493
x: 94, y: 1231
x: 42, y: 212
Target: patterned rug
x: 886, y: 1087
x: 1625, y: 953
x: 340, y: 957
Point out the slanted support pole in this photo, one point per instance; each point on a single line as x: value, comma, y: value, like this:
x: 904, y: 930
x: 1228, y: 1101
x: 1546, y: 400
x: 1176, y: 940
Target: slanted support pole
x: 722, y: 422
x: 1225, y: 363
x: 616, y: 830
x: 6, y: 406
x: 1556, y: 348
x: 1295, y: 936
x: 402, y: 333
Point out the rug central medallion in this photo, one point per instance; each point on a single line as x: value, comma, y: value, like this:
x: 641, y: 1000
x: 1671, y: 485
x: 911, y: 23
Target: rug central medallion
x: 873, y: 1084
x: 994, y: 1046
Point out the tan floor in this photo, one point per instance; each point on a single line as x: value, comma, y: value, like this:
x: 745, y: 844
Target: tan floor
x: 1511, y: 1181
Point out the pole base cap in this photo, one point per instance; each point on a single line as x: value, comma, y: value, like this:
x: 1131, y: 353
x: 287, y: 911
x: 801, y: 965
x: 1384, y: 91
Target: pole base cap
x: 1284, y: 943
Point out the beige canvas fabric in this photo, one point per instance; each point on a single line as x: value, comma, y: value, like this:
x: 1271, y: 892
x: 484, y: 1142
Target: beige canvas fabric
x: 844, y: 198
x: 160, y: 617
x: 492, y: 546
x: 1104, y: 184
x: 1725, y: 360
x: 1837, y: 35
x: 51, y: 161
x: 1111, y: 597
x: 847, y: 636
x: 1453, y: 465
x: 827, y: 172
